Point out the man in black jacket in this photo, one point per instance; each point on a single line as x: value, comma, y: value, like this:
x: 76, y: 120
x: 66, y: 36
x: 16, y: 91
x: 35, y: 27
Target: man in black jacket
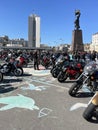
x: 36, y: 60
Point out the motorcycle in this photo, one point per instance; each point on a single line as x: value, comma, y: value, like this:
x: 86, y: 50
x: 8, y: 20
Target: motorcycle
x: 53, y: 59
x: 22, y: 61
x: 71, y: 70
x: 46, y: 61
x: 11, y: 67
x: 91, y: 110
x: 58, y: 66
x: 87, y: 78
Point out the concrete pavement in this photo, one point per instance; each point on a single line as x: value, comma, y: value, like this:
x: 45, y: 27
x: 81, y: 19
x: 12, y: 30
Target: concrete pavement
x: 38, y: 101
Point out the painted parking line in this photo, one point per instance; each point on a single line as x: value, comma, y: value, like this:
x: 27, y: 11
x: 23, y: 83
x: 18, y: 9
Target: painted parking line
x: 46, y: 83
x: 78, y: 105
x: 33, y: 87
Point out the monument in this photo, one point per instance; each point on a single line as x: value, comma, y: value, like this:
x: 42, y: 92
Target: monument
x: 77, y: 40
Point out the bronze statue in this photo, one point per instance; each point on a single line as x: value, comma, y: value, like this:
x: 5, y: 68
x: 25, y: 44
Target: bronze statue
x: 77, y: 14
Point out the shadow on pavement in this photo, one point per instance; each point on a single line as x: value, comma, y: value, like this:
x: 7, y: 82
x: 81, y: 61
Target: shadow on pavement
x: 11, y: 80
x: 26, y: 74
x: 84, y: 94
x: 69, y: 81
x: 6, y: 88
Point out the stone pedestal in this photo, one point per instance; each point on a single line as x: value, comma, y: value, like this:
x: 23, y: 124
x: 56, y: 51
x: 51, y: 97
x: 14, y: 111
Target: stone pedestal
x: 77, y: 41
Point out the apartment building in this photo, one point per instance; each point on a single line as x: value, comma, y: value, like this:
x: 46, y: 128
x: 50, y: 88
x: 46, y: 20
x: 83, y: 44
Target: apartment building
x: 34, y: 31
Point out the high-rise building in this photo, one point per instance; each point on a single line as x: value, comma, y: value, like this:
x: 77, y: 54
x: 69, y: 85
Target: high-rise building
x: 34, y: 31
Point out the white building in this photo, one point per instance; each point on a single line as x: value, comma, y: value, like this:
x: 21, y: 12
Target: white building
x: 34, y: 31
x: 94, y: 44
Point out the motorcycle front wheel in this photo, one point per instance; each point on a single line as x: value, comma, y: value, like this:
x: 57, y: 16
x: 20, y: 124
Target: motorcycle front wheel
x: 62, y: 76
x: 51, y: 70
x: 74, y: 89
x: 18, y: 71
x: 6, y: 68
x: 77, y: 75
x: 55, y: 73
x: 89, y: 111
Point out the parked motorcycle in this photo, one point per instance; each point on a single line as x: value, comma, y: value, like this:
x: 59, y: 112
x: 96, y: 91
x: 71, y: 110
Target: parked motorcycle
x: 88, y: 78
x: 53, y: 60
x: 23, y: 62
x: 58, y: 66
x: 11, y: 67
x: 46, y: 61
x: 92, y: 108
x: 71, y: 70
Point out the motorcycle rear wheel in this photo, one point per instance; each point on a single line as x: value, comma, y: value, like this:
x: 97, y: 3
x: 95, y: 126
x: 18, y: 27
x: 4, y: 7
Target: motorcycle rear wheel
x: 1, y: 77
x: 18, y: 71
x: 74, y: 89
x: 89, y: 111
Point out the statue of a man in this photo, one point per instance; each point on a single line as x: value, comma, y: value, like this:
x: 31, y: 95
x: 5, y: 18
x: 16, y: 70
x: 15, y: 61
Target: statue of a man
x: 77, y: 14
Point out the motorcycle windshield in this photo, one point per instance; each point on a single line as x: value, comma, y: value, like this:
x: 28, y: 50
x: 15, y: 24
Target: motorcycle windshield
x: 91, y: 67
x: 60, y: 59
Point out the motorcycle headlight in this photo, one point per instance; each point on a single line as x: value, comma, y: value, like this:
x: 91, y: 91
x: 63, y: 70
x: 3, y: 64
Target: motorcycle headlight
x: 89, y: 69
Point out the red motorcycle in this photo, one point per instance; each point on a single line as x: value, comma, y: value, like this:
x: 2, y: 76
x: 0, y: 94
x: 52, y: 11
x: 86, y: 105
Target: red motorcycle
x: 72, y: 70
x: 22, y: 61
x: 46, y: 61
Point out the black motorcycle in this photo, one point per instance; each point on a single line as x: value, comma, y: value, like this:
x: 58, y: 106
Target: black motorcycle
x: 11, y: 67
x: 87, y: 78
x: 58, y: 66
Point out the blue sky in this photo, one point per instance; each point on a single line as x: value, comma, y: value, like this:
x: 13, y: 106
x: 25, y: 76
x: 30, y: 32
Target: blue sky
x: 57, y: 19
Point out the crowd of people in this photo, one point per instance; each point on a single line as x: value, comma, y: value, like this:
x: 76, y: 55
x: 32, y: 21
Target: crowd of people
x: 36, y: 55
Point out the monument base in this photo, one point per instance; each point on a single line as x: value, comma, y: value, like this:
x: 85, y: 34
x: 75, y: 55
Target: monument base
x: 77, y: 41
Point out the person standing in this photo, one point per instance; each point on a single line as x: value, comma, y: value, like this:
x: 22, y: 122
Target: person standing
x: 36, y: 60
